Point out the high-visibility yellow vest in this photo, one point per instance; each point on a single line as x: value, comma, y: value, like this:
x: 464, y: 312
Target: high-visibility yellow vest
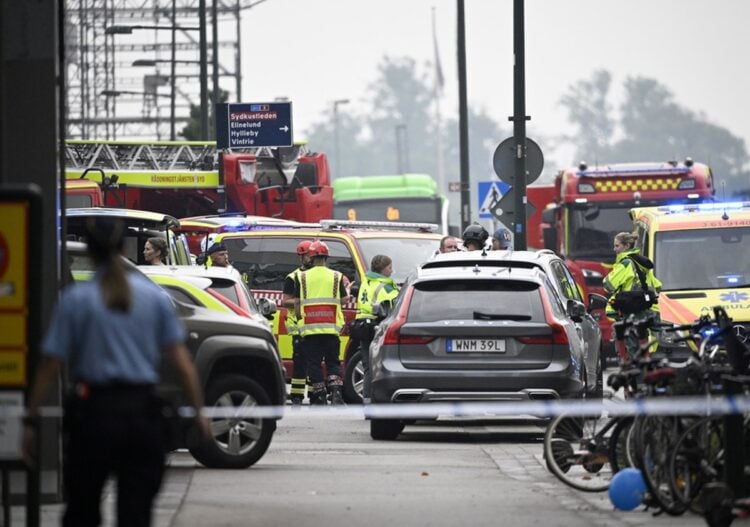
x: 291, y: 322
x: 320, y: 302
x: 372, y: 293
x: 624, y: 277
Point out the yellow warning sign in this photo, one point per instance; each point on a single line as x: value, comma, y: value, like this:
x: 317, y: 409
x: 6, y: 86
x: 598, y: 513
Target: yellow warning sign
x: 14, y: 235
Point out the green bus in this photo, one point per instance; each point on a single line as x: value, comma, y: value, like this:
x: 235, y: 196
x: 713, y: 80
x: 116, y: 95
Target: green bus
x: 403, y: 198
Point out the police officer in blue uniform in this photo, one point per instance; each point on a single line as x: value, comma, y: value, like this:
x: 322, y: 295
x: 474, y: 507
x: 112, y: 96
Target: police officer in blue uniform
x: 112, y: 332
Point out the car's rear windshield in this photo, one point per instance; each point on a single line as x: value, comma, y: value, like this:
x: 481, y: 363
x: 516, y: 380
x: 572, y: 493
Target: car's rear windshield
x: 476, y: 300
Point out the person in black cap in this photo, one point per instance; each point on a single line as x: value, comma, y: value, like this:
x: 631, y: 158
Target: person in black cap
x: 502, y: 240
x: 474, y: 237
x: 112, y: 332
x: 219, y: 255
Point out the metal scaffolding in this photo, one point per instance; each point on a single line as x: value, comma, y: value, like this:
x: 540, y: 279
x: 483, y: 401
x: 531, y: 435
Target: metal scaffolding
x: 108, y: 97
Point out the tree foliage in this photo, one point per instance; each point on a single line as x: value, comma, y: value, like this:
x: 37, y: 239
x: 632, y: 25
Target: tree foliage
x: 192, y: 130
x: 651, y: 127
x: 399, y: 116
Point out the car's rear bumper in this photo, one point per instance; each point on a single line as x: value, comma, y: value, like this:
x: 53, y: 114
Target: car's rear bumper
x: 391, y: 382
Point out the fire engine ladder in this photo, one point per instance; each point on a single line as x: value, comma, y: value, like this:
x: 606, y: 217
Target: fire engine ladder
x: 119, y: 155
x: 166, y: 155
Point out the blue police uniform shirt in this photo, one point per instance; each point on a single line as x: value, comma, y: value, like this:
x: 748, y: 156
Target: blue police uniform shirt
x: 104, y: 346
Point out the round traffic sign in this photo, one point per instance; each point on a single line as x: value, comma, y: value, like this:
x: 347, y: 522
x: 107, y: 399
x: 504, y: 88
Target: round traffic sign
x: 504, y: 160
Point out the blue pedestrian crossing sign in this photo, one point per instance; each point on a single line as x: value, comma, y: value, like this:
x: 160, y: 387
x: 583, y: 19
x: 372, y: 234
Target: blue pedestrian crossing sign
x: 489, y: 193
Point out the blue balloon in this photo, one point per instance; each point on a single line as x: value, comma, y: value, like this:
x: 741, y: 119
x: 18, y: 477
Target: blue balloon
x: 626, y: 489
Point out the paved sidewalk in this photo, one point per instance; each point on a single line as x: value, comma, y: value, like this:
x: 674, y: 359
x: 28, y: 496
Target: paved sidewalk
x: 173, y: 491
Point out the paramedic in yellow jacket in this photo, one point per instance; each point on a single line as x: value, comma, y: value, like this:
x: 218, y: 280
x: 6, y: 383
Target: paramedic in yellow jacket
x: 299, y: 365
x: 377, y: 287
x: 320, y: 318
x: 625, y: 276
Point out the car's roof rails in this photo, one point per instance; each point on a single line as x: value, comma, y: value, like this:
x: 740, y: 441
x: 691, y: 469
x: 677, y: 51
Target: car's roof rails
x: 516, y: 264
x: 331, y: 225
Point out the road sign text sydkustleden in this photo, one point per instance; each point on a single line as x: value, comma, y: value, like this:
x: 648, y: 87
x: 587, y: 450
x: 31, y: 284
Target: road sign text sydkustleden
x: 254, y: 125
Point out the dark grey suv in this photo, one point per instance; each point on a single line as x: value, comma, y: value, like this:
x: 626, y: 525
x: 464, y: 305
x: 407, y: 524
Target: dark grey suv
x: 239, y: 367
x: 474, y: 333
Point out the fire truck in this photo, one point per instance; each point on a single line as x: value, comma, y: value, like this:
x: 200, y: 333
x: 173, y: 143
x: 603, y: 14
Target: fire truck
x: 194, y: 179
x: 579, y: 215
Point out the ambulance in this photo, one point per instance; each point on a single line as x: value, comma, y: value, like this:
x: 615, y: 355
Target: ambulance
x: 701, y: 253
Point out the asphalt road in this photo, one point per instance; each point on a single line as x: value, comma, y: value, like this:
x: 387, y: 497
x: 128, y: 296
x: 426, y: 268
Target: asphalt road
x: 327, y: 471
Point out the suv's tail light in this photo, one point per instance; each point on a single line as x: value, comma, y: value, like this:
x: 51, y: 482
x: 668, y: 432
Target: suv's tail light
x: 559, y: 335
x: 231, y: 305
x: 393, y: 334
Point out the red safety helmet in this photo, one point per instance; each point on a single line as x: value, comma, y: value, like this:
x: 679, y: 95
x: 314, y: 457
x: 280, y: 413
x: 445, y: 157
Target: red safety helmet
x: 303, y: 247
x: 318, y: 248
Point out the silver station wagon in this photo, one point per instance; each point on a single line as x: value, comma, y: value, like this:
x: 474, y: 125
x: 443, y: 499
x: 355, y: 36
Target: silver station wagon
x: 470, y: 332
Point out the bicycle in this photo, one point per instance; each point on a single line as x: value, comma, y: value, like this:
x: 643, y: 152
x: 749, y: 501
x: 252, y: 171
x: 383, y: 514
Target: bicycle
x: 586, y: 452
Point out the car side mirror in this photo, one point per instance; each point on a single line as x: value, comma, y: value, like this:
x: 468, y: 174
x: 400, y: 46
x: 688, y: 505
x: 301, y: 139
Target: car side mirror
x: 576, y: 310
x: 597, y: 301
x: 267, y: 308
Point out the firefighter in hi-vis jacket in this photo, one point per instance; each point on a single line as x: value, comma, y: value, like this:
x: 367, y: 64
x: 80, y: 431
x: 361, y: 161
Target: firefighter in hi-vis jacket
x: 318, y: 297
x: 299, y: 365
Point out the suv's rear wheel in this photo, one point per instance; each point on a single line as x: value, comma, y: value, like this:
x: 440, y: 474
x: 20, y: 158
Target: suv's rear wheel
x: 387, y: 429
x: 237, y: 442
x: 354, y: 378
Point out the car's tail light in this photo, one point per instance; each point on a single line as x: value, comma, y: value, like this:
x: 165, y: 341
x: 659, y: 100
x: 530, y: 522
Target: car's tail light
x: 559, y: 335
x: 393, y: 334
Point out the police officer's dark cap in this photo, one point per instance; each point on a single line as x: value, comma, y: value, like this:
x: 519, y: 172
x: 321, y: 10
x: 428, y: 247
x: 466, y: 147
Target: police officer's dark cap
x: 216, y: 248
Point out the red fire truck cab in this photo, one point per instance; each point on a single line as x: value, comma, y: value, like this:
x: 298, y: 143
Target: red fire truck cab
x: 579, y: 215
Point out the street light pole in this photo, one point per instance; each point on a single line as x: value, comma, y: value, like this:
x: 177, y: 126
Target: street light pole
x: 173, y: 87
x: 215, y: 54
x: 337, y: 154
x: 204, y: 69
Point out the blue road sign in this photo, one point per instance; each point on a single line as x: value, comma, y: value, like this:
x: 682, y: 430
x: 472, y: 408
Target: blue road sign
x: 489, y: 194
x: 245, y: 125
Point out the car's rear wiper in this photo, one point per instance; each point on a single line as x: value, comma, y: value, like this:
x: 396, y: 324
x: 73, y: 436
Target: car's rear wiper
x: 478, y: 315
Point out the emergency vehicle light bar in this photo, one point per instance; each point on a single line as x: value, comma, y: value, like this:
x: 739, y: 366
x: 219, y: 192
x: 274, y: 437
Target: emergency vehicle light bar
x: 394, y: 225
x: 714, y: 206
x: 675, y: 171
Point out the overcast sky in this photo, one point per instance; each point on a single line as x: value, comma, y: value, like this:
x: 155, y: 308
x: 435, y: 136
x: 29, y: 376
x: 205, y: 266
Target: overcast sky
x: 316, y: 51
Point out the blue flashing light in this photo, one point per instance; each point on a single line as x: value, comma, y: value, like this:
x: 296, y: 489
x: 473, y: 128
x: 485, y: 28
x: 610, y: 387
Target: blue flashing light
x: 706, y: 207
x: 234, y: 226
x: 733, y: 279
x: 709, y: 332
x: 722, y: 206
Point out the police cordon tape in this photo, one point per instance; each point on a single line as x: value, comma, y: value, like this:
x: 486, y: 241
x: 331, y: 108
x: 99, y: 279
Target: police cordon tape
x: 688, y: 405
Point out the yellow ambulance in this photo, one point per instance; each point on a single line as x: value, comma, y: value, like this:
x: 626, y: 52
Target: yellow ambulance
x: 701, y: 253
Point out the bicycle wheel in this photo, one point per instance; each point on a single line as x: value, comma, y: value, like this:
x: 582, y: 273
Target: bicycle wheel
x: 696, y: 460
x: 576, y: 451
x: 657, y: 436
x: 618, y: 444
